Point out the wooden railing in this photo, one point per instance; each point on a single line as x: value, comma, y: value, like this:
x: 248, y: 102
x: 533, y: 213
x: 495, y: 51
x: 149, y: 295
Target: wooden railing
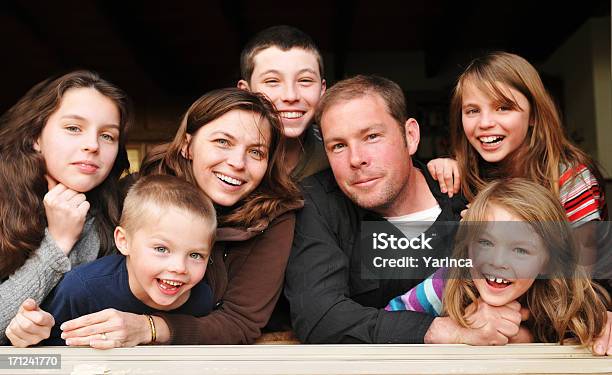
x: 321, y: 359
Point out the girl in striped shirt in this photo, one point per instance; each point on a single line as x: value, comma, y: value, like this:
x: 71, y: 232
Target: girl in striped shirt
x: 505, y: 124
x: 522, y: 249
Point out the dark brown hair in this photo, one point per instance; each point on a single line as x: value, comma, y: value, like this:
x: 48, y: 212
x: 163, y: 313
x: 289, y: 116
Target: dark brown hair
x: 282, y: 36
x: 276, y: 193
x: 22, y: 169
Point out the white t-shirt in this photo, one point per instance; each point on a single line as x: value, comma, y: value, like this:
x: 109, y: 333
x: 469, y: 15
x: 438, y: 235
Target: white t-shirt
x: 412, y: 225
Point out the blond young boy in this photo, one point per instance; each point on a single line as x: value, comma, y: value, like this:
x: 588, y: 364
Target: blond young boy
x: 285, y: 64
x: 165, y: 237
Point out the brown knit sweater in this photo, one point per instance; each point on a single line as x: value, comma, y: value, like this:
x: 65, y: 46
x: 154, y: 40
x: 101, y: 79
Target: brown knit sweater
x: 246, y: 276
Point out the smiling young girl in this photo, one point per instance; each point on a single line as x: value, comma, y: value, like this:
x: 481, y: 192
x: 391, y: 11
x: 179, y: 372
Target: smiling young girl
x: 505, y: 124
x: 62, y: 150
x: 522, y: 249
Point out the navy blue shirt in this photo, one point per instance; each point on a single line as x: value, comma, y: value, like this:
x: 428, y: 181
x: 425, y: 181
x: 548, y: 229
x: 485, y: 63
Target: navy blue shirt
x: 104, y: 284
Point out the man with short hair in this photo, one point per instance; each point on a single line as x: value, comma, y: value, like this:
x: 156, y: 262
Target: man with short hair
x: 369, y: 141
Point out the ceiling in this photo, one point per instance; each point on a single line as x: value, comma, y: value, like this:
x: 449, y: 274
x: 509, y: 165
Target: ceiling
x: 174, y: 50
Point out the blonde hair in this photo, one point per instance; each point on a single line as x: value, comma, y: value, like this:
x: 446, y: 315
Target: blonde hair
x: 566, y: 301
x: 546, y: 146
x: 151, y: 194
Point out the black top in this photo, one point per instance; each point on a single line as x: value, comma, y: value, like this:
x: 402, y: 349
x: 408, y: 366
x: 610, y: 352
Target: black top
x: 330, y: 300
x: 104, y: 284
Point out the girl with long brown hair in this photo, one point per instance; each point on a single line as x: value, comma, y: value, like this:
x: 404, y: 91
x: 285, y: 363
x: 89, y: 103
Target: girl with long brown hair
x: 230, y: 144
x: 505, y: 124
x: 62, y: 151
x: 522, y: 248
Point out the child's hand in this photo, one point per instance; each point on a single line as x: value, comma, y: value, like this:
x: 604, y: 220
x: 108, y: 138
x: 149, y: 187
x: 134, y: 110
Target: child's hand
x: 30, y: 326
x: 446, y: 172
x: 66, y: 211
x: 523, y: 337
x: 107, y: 329
x: 603, y: 344
x: 493, y: 325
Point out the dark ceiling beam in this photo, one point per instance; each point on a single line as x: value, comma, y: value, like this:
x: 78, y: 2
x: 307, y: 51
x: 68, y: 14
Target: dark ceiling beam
x: 234, y: 14
x: 344, y: 19
x: 157, y: 57
x: 441, y: 36
x: 31, y: 21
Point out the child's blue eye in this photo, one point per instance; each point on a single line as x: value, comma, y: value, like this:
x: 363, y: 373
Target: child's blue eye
x: 196, y: 256
x: 161, y: 249
x: 483, y: 242
x: 520, y: 250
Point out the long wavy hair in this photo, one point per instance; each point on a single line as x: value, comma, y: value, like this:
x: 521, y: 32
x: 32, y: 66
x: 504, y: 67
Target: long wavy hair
x: 22, y: 169
x: 562, y: 304
x: 545, y: 147
x: 275, y: 194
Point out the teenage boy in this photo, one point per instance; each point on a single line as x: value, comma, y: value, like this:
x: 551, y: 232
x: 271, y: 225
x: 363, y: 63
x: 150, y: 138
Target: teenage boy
x: 166, y: 233
x: 284, y: 63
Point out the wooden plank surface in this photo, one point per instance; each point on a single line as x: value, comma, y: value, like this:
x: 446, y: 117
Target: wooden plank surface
x: 322, y: 359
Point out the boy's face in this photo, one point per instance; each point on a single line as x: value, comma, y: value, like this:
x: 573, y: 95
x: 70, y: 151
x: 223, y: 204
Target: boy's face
x: 166, y: 257
x: 292, y: 81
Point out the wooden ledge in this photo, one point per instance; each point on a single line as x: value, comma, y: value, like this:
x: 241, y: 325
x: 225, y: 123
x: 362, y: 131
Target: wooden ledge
x: 322, y: 359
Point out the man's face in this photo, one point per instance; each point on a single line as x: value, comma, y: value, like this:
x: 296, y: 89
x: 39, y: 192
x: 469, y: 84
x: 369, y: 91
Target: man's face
x: 370, y: 160
x: 292, y: 81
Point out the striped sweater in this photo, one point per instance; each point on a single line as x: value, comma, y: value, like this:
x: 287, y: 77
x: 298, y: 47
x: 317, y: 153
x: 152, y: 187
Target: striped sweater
x: 583, y: 201
x: 581, y: 195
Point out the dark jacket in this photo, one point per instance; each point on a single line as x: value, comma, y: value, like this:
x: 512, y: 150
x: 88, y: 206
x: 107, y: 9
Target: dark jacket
x: 330, y: 300
x: 102, y: 284
x: 246, y: 275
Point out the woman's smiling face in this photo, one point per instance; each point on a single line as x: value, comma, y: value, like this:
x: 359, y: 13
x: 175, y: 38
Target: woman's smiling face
x: 230, y: 155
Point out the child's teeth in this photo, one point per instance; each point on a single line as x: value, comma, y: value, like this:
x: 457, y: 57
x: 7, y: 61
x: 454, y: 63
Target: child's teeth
x: 498, y: 280
x: 291, y: 114
x: 173, y: 283
x: 491, y: 139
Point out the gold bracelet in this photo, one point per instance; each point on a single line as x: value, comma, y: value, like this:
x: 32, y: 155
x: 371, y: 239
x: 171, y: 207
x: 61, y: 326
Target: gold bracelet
x: 153, y: 331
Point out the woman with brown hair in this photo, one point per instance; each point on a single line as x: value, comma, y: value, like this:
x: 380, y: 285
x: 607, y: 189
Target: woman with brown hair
x: 231, y: 144
x: 62, y: 151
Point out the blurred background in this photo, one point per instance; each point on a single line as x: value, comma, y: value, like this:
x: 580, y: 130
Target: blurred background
x: 165, y: 54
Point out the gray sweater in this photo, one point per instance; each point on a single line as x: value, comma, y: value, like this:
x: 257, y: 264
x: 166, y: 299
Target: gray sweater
x: 42, y: 271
